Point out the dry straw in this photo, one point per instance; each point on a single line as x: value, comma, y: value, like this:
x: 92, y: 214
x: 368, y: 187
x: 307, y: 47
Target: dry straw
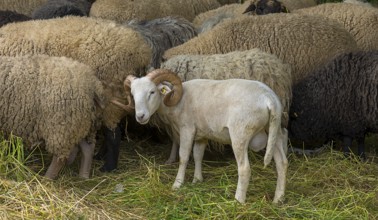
x: 324, y: 186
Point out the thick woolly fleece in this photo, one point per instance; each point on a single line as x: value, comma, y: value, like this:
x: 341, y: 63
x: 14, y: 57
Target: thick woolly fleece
x: 162, y: 34
x: 112, y: 50
x: 60, y: 8
x: 338, y: 99
x: 250, y: 64
x: 302, y: 41
x: 49, y: 100
x: 25, y: 7
x: 11, y: 16
x: 125, y: 10
x: 360, y: 21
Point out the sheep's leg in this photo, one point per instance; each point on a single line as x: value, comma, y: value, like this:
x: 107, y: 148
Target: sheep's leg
x: 174, y: 151
x: 347, y: 144
x: 240, y: 148
x: 198, y: 152
x: 112, y: 143
x: 73, y: 155
x: 186, y: 144
x: 281, y: 166
x: 54, y: 168
x: 361, y: 147
x: 87, y: 150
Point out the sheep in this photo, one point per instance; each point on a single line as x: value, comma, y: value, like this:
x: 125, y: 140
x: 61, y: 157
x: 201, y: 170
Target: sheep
x: 11, y: 16
x: 25, y: 7
x: 253, y: 120
x: 360, y: 21
x: 251, y: 64
x: 124, y: 10
x: 162, y: 34
x: 207, y: 20
x: 112, y: 50
x: 338, y: 100
x: 302, y: 41
x: 51, y: 100
x: 60, y: 8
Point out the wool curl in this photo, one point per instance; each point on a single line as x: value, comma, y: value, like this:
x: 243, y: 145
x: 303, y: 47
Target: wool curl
x: 337, y: 99
x: 250, y: 64
x: 360, y: 21
x: 125, y: 10
x: 51, y: 100
x: 302, y: 41
x: 112, y: 50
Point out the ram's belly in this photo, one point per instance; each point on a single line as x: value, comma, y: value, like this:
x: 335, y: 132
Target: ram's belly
x: 221, y: 135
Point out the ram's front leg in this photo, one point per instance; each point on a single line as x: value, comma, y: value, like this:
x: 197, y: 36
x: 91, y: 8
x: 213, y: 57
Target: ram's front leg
x: 198, y: 151
x: 173, y: 156
x: 186, y: 144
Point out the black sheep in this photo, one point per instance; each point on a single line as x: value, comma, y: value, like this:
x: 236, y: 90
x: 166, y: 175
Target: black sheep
x: 338, y: 100
x: 11, y: 16
x: 61, y: 8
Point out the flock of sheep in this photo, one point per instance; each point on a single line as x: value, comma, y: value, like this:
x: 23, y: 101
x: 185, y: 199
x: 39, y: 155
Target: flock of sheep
x: 249, y: 74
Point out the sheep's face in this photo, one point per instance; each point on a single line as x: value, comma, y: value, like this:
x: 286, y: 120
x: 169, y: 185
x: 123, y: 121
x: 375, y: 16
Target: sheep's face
x: 147, y: 98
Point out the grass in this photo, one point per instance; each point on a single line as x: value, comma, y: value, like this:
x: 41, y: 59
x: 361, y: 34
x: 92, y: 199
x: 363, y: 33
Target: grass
x: 325, y: 186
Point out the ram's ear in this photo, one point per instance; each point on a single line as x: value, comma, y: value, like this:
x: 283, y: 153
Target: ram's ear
x: 164, y: 89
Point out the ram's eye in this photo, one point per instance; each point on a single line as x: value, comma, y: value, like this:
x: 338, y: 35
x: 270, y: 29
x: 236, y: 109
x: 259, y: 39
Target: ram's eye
x: 152, y: 92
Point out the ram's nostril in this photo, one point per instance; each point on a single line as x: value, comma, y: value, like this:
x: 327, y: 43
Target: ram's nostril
x: 140, y: 117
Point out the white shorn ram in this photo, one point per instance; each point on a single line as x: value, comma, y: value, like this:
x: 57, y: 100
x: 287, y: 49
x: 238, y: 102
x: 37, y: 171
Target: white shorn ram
x: 243, y: 113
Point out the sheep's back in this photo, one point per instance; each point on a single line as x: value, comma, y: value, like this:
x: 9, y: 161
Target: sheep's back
x: 48, y: 100
x: 304, y: 42
x: 339, y: 98
x: 125, y: 10
x: 231, y: 10
x: 292, y: 5
x: 360, y: 21
x: 112, y: 50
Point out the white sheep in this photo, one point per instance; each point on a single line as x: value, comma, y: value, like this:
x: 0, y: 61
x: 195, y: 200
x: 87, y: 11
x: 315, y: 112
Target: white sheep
x: 243, y: 113
x: 251, y: 64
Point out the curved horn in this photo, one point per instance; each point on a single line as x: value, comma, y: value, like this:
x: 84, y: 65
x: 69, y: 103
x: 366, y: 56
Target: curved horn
x: 174, y: 96
x: 127, y: 108
x: 127, y: 86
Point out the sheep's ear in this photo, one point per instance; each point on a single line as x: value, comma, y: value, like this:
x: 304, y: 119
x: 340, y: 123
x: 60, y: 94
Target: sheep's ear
x: 164, y: 89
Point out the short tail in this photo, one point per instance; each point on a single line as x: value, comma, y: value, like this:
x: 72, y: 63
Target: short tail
x: 274, y: 131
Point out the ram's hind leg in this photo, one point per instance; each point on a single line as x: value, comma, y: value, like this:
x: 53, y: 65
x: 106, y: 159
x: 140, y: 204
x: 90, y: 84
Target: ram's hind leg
x: 281, y: 166
x: 240, y: 147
